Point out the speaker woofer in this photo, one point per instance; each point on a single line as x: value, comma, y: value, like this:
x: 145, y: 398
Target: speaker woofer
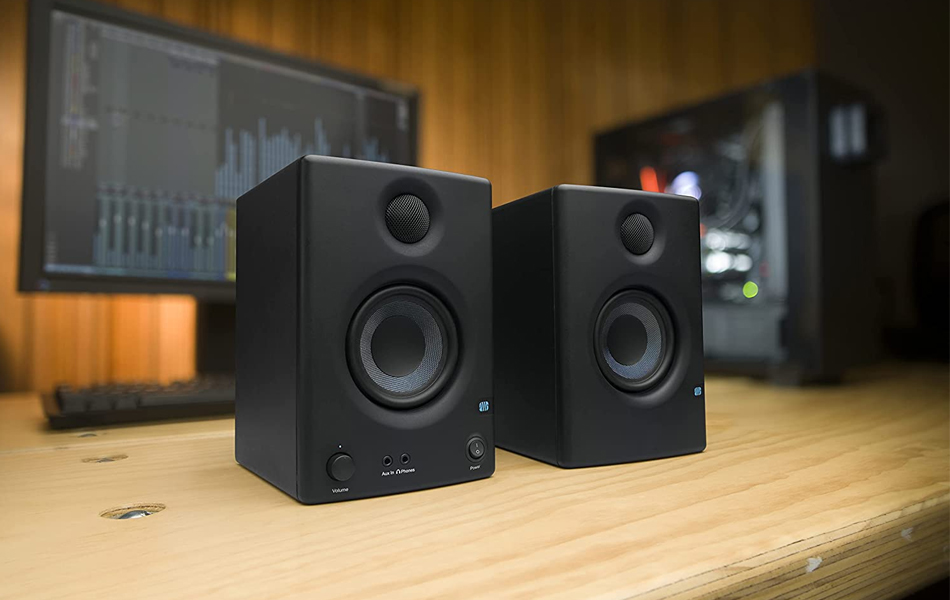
x: 633, y: 340
x: 401, y: 346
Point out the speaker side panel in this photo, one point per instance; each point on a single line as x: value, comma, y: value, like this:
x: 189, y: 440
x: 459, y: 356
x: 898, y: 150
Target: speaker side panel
x: 601, y: 424
x: 348, y: 254
x: 266, y: 329
x: 525, y: 392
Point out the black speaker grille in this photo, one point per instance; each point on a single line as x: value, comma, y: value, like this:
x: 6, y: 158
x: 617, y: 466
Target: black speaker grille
x: 637, y: 233
x: 407, y: 218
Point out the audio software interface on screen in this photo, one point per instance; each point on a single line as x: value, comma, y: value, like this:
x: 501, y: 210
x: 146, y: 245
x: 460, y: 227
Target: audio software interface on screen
x: 151, y: 140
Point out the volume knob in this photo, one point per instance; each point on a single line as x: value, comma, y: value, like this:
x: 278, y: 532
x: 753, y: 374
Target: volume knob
x: 341, y: 467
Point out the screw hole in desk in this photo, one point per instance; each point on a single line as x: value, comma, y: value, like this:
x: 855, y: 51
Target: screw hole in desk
x: 132, y: 511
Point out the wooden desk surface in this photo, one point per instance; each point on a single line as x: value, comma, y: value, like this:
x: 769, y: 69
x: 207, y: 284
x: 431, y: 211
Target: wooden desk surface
x: 823, y: 493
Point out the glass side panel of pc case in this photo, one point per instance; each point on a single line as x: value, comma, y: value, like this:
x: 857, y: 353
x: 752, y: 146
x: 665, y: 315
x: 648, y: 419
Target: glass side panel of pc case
x: 730, y: 155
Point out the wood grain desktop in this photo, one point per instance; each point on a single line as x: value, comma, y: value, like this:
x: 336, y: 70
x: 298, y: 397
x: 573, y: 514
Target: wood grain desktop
x: 825, y: 492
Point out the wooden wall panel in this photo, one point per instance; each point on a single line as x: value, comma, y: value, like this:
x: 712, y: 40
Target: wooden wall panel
x: 13, y: 313
x: 511, y: 90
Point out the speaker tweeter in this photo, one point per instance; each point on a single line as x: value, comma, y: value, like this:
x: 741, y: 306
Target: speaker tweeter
x: 407, y: 218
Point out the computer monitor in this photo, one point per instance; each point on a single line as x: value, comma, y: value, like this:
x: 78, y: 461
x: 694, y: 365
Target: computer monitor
x: 140, y: 136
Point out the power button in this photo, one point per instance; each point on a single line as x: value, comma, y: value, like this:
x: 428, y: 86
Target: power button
x: 476, y: 448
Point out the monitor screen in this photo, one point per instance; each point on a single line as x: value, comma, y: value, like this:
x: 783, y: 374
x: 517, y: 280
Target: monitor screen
x: 150, y: 139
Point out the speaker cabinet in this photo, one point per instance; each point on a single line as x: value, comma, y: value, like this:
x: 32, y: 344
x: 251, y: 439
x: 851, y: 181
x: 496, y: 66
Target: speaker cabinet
x: 364, y: 338
x: 598, y: 326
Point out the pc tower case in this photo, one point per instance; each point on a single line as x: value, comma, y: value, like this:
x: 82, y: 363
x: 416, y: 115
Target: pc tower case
x: 784, y: 174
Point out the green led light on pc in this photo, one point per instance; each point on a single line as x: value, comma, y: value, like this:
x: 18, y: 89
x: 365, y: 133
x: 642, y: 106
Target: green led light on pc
x: 750, y: 289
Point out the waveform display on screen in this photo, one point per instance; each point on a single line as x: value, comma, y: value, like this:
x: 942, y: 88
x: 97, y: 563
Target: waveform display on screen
x: 250, y: 158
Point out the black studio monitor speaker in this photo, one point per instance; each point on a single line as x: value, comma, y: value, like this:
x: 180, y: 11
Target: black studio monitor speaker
x: 598, y: 326
x: 364, y: 338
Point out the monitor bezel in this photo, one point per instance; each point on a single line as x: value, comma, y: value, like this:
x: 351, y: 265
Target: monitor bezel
x: 33, y: 276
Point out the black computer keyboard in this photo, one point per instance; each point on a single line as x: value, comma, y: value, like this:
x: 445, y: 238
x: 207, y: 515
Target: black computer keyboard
x: 131, y: 402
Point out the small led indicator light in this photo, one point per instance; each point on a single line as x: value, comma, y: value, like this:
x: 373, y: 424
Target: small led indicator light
x: 697, y: 391
x: 483, y: 406
x: 750, y: 289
